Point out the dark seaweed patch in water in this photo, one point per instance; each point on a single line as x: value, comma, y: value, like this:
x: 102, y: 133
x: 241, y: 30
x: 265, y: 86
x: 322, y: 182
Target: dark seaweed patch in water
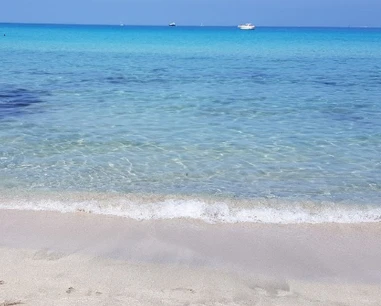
x: 195, y: 58
x: 117, y: 79
x: 348, y: 113
x: 121, y: 80
x: 14, y: 101
x: 159, y: 70
x: 328, y: 82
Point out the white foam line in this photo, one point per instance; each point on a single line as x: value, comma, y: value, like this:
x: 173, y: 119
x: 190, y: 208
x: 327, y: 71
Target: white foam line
x: 210, y: 213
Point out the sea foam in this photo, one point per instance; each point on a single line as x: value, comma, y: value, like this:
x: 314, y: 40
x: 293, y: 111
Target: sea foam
x: 210, y: 210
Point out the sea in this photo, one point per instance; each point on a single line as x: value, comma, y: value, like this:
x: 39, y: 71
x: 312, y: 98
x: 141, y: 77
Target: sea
x: 276, y: 125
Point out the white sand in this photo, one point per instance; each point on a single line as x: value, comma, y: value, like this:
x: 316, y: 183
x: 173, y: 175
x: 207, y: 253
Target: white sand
x: 82, y: 259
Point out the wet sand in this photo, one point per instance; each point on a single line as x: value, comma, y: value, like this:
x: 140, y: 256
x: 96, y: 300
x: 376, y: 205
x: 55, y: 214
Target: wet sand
x: 78, y: 259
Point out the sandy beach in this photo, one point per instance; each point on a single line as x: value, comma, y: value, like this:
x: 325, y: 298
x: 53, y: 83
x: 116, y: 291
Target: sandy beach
x: 83, y: 259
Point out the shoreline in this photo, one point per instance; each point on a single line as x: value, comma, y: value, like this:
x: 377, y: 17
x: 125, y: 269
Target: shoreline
x: 183, y: 261
x: 207, y: 208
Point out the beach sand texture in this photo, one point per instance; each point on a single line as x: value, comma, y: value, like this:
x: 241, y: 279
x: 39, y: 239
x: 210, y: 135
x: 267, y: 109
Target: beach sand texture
x: 83, y: 259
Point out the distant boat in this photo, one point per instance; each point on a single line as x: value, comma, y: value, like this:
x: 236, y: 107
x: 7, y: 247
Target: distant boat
x: 247, y: 26
x: 172, y: 24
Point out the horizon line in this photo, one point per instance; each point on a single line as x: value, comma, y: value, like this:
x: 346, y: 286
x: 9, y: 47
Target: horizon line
x: 186, y: 25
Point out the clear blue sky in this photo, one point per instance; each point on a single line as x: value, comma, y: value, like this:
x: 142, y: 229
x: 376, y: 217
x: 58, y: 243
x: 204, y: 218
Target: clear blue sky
x: 194, y: 12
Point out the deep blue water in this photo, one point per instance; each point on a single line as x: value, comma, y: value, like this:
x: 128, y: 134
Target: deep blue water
x: 285, y: 113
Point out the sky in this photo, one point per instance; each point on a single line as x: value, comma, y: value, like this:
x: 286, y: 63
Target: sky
x: 194, y: 12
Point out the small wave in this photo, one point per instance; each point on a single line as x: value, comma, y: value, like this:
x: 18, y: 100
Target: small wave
x: 157, y: 207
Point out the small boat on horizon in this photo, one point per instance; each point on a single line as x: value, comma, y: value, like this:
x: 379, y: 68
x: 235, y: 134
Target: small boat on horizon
x: 246, y: 26
x: 172, y: 24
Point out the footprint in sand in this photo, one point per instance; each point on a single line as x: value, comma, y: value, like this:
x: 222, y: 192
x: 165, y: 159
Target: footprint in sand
x: 188, y: 290
x: 90, y: 292
x: 47, y: 255
x: 272, y: 288
x: 69, y: 290
x: 11, y: 303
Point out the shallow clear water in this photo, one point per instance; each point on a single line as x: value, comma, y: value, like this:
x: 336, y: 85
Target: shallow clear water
x: 280, y: 113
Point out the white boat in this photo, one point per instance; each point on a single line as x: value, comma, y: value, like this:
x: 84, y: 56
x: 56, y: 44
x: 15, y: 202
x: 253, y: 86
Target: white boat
x: 247, y: 26
x: 172, y: 24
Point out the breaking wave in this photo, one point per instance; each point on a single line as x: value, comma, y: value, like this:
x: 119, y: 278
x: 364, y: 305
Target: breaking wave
x: 210, y: 210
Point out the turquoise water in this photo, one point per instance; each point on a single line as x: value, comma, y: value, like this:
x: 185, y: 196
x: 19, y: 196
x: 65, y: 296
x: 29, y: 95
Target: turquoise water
x: 289, y: 114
